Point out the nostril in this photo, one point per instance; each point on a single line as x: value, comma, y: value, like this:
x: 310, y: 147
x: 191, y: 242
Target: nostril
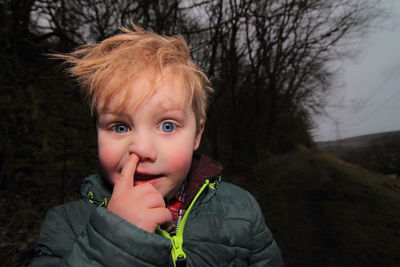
x: 144, y: 148
x: 144, y: 156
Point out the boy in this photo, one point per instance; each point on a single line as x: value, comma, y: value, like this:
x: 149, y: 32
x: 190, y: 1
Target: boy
x: 157, y: 205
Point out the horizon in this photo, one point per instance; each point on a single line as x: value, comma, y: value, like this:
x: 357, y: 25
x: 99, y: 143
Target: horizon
x: 356, y: 136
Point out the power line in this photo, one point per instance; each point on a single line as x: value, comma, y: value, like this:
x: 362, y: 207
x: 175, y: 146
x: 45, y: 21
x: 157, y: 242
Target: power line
x: 397, y: 68
x: 338, y: 123
x: 382, y: 84
x: 378, y: 108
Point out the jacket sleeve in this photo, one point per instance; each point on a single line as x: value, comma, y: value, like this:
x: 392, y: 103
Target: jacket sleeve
x: 106, y: 240
x: 265, y: 251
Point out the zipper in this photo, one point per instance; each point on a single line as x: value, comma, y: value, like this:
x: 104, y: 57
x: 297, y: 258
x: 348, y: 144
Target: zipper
x: 178, y: 255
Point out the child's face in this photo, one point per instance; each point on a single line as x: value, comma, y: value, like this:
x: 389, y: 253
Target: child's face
x: 161, y: 131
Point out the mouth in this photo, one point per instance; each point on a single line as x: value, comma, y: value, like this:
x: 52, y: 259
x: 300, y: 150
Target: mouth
x: 145, y: 177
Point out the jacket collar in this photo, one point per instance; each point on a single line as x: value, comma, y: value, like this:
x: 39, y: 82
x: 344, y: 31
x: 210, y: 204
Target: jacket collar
x: 202, y: 168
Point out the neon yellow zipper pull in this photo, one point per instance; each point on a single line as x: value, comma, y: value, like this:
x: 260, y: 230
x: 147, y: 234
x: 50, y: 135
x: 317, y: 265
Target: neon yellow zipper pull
x: 177, y: 252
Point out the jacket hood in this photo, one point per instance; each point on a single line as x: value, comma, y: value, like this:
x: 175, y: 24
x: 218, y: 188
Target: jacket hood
x: 97, y: 189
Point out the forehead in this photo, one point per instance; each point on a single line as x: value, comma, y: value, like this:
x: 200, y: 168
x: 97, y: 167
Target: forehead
x: 163, y: 89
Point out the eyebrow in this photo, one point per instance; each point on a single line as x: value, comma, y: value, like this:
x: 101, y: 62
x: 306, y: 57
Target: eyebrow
x: 110, y: 113
x: 169, y: 108
x: 172, y: 105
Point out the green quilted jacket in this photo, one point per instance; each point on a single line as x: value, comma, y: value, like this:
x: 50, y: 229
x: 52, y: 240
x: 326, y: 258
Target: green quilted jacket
x: 223, y: 226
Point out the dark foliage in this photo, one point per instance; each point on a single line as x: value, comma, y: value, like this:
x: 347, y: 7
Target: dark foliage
x: 268, y: 62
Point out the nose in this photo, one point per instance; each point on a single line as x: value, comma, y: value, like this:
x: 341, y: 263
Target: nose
x: 143, y: 145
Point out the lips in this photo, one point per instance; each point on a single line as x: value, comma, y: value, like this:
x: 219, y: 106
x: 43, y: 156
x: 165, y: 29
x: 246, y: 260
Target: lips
x: 146, y: 177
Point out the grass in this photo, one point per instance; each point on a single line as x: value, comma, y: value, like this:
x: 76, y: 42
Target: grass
x: 325, y: 212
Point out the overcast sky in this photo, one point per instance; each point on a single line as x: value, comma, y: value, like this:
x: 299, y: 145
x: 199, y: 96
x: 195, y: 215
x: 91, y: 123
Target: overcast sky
x: 369, y: 86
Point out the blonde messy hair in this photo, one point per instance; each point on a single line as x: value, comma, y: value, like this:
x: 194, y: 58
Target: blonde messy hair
x: 104, y: 68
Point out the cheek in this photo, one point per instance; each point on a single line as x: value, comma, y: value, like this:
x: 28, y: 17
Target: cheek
x: 108, y: 157
x: 180, y: 160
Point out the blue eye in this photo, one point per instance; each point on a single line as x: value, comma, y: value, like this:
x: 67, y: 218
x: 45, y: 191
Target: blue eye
x: 167, y: 127
x: 120, y: 128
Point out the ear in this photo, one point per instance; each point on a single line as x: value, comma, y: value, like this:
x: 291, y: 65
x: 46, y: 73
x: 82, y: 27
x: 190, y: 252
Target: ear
x: 199, y: 133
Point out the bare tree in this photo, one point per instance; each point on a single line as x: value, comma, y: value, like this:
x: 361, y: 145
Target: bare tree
x: 268, y: 60
x: 75, y: 22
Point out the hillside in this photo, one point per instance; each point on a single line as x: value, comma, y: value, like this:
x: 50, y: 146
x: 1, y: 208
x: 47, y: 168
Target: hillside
x: 325, y: 212
x: 354, y: 143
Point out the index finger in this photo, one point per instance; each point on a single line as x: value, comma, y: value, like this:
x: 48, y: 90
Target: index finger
x: 126, y: 178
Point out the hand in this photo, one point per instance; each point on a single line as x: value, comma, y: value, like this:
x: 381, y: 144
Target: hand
x: 141, y: 205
